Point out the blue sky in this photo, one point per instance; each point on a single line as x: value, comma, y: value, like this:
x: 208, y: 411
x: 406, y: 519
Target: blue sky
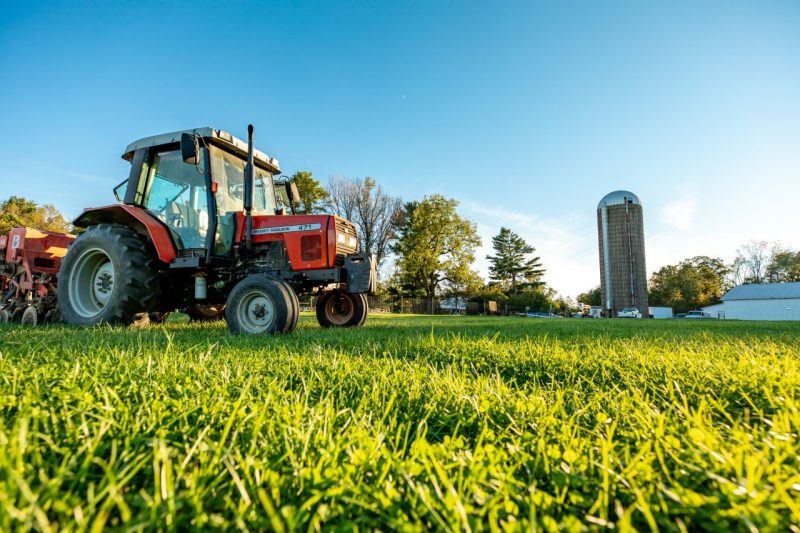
x: 526, y: 112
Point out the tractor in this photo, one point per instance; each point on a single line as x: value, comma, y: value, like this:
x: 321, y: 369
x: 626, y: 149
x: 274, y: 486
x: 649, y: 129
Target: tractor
x: 201, y: 224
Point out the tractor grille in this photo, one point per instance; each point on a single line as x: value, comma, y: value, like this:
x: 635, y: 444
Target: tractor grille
x: 348, y: 230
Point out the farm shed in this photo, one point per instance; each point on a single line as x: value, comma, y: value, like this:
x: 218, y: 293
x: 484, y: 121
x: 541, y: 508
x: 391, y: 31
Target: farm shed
x: 760, y: 301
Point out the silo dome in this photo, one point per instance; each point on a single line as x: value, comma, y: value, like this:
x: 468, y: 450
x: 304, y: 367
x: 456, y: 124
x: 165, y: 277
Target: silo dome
x: 619, y: 198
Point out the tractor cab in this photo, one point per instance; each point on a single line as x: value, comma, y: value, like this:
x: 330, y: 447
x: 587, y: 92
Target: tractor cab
x: 196, y: 191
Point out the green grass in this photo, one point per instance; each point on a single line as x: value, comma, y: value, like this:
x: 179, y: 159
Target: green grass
x: 409, y: 423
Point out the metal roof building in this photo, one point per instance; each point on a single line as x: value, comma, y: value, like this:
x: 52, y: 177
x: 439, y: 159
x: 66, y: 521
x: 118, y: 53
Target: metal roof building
x: 760, y: 301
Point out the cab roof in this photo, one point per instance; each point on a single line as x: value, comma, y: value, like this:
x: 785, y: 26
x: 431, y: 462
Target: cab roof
x: 220, y: 138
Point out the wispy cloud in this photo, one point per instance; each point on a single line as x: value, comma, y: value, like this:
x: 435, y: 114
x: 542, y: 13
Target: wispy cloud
x: 680, y: 213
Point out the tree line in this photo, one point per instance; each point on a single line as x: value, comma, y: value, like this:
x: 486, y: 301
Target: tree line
x: 434, y: 249
x: 16, y: 211
x: 433, y: 245
x: 701, y: 281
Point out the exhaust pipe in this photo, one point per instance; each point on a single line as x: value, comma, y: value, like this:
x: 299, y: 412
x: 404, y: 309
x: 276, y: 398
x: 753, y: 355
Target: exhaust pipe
x: 249, y: 185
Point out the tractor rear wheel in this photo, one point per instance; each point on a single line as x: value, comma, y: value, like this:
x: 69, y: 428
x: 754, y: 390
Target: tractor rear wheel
x: 109, y: 275
x: 259, y: 304
x: 337, y: 309
x: 205, y: 312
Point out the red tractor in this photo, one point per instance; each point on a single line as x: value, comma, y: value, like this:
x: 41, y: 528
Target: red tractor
x: 29, y: 262
x: 202, y: 226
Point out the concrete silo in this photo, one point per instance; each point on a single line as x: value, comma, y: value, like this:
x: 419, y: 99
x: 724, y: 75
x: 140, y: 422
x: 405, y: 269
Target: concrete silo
x: 623, y: 276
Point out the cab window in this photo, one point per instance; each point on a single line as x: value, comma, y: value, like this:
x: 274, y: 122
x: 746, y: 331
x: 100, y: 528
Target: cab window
x: 177, y: 194
x: 227, y: 171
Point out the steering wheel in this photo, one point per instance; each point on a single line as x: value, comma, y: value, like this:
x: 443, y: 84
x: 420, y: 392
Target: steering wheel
x: 173, y: 216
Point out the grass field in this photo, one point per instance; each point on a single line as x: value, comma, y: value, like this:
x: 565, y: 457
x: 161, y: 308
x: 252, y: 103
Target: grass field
x: 410, y: 423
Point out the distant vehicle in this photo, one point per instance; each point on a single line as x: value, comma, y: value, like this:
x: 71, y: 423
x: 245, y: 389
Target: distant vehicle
x: 531, y: 314
x: 540, y: 315
x: 660, y: 312
x: 698, y: 314
x: 629, y: 312
x: 595, y: 311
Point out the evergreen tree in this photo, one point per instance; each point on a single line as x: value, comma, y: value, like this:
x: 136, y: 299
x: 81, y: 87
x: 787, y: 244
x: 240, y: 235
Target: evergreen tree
x: 510, y: 266
x: 312, y: 195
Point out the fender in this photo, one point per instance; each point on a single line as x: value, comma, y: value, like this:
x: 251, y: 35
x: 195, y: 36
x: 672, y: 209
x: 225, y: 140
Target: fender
x: 135, y: 218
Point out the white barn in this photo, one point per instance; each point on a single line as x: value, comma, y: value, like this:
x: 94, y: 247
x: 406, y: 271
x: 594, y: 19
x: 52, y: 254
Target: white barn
x: 759, y: 301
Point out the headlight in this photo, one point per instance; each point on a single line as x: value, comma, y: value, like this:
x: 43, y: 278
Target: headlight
x: 347, y: 240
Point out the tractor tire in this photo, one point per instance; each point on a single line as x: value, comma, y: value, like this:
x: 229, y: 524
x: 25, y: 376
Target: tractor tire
x: 109, y: 276
x: 259, y: 304
x: 336, y: 309
x: 366, y: 309
x: 205, y: 312
x: 5, y: 316
x: 294, y: 316
x: 29, y: 317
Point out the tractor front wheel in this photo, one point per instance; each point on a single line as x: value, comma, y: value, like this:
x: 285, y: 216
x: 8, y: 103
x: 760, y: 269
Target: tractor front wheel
x: 260, y: 304
x: 110, y: 276
x: 337, y: 309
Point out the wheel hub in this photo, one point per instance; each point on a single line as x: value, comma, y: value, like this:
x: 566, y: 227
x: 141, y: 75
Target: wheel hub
x: 259, y: 311
x: 104, y: 282
x: 91, y: 285
x: 339, y: 309
x: 256, y: 312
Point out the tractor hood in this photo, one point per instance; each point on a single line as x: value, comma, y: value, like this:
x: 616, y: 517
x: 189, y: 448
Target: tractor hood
x: 223, y: 139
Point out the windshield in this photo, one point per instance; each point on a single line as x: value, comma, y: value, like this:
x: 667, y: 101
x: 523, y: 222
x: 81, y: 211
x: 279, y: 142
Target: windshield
x: 227, y: 171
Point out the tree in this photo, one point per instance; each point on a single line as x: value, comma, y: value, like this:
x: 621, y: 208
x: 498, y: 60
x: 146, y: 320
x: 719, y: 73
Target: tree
x: 492, y: 292
x: 466, y: 284
x: 751, y: 262
x: 590, y: 297
x: 534, y: 298
x: 18, y: 211
x: 510, y: 264
x: 783, y: 266
x: 692, y: 283
x: 370, y: 208
x: 312, y: 195
x: 435, y: 245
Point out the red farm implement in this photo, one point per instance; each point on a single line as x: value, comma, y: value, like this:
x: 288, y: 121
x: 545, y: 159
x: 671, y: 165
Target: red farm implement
x: 29, y: 263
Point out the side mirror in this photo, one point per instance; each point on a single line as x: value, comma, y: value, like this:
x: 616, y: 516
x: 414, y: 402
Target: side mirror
x: 190, y: 148
x: 292, y: 193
